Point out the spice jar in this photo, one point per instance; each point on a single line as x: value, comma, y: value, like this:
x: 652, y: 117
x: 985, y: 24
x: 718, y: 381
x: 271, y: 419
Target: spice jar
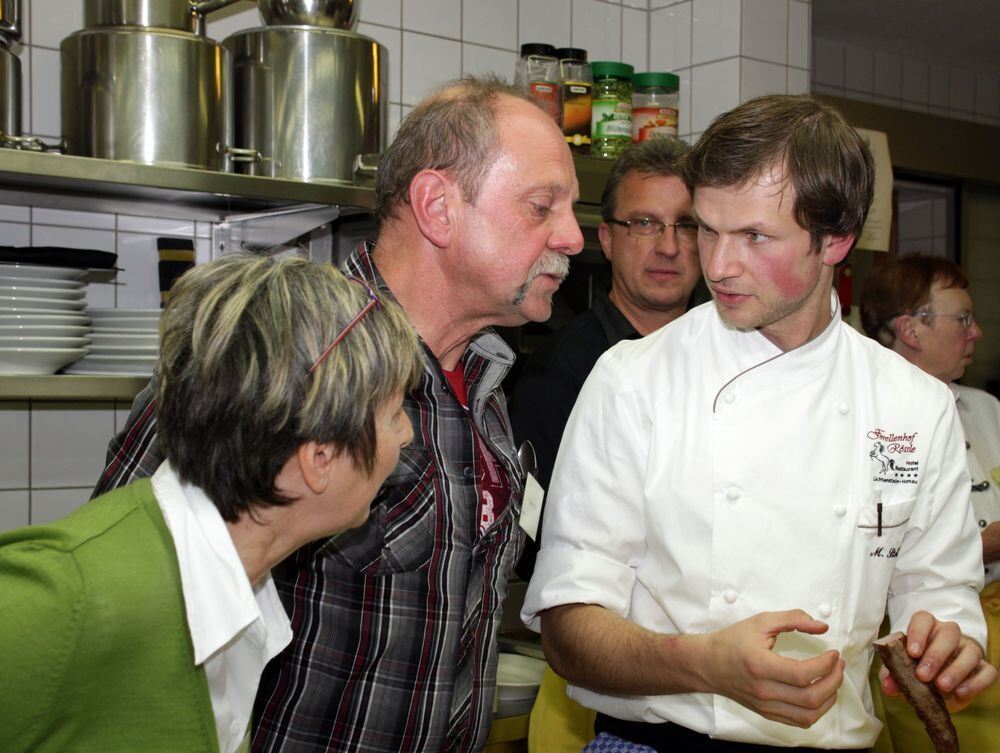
x: 654, y: 105
x: 611, y: 120
x: 536, y: 72
x: 575, y: 83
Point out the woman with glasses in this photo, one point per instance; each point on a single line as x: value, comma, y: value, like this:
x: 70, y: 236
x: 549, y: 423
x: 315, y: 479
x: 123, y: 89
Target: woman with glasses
x: 143, y: 620
x: 919, y: 306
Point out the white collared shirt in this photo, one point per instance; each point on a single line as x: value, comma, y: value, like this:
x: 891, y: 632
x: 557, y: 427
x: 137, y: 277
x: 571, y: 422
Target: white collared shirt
x: 705, y: 476
x: 235, y: 628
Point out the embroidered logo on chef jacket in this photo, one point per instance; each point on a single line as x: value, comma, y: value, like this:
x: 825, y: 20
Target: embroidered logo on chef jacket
x: 893, y: 457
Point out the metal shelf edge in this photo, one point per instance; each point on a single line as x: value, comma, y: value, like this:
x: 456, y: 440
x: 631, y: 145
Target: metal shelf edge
x: 66, y: 387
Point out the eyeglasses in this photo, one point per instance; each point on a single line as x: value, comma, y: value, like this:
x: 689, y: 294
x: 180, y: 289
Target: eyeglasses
x: 373, y: 302
x: 685, y: 231
x: 966, y: 318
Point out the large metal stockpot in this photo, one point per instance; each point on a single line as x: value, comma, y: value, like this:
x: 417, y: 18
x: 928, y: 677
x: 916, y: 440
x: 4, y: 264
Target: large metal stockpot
x: 156, y: 96
x: 181, y: 15
x: 308, y: 99
x: 10, y: 94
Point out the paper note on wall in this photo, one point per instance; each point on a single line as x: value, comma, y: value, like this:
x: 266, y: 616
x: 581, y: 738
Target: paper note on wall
x: 875, y: 234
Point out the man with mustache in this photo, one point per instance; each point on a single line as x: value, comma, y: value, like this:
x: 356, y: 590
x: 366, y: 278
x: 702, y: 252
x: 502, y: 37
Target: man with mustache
x: 651, y: 242
x: 720, y: 545
x: 394, y: 625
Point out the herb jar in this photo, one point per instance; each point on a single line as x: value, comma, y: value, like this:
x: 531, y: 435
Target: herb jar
x: 611, y: 121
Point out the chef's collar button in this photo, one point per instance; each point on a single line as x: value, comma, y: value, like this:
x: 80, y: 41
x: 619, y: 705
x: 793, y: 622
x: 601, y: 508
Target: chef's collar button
x: 825, y: 610
x: 840, y: 511
x: 730, y: 596
x: 729, y: 397
x: 732, y: 494
x: 982, y: 524
x: 843, y: 409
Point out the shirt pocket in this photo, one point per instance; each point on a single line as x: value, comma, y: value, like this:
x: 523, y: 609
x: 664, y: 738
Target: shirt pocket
x: 400, y: 533
x: 880, y: 532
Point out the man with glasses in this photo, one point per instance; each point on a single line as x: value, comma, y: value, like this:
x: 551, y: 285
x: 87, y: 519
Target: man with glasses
x: 394, y: 624
x: 721, y: 538
x: 919, y: 306
x: 651, y: 242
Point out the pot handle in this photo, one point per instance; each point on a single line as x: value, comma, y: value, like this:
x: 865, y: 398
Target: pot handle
x: 239, y: 154
x: 201, y: 7
x: 31, y: 144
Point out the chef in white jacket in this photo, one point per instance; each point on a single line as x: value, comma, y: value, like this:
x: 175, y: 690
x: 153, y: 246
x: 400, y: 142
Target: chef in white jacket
x: 740, y: 497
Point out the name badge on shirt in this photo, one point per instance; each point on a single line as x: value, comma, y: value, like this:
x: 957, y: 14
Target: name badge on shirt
x: 531, y: 506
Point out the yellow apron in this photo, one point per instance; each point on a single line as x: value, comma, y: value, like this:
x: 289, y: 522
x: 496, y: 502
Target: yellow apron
x: 978, y: 724
x: 558, y: 724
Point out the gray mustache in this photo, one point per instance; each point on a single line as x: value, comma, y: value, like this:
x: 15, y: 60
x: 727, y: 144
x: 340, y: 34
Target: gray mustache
x: 550, y: 263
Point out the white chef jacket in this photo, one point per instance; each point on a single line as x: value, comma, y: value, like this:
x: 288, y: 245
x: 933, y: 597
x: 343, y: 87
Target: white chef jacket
x: 980, y: 415
x: 235, y: 629
x: 704, y: 476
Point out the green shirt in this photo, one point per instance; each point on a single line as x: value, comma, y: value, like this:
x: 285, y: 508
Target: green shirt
x: 97, y: 655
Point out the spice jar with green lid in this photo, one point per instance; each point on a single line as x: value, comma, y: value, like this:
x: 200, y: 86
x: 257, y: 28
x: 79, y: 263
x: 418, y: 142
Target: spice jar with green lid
x: 654, y: 105
x: 611, y: 121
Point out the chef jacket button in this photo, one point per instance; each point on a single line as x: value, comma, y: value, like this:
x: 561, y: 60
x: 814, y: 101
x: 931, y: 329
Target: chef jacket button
x: 730, y: 596
x: 843, y: 409
x: 982, y: 524
x: 840, y: 511
x: 732, y: 494
x: 236, y: 728
x: 825, y: 610
x: 729, y: 397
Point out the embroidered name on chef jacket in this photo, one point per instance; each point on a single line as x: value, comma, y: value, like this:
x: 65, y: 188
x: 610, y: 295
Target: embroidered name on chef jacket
x: 893, y: 456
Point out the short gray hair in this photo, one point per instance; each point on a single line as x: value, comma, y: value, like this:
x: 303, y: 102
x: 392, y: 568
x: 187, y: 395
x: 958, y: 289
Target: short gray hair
x: 453, y: 129
x: 235, y: 398
x: 659, y: 156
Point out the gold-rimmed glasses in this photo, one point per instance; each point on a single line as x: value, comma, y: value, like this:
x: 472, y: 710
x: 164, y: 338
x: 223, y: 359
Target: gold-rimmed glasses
x: 373, y: 302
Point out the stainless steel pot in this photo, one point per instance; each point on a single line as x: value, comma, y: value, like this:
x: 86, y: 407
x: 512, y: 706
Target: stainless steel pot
x: 336, y: 14
x: 308, y: 99
x: 10, y: 93
x: 182, y: 15
x: 155, y: 96
x: 10, y: 21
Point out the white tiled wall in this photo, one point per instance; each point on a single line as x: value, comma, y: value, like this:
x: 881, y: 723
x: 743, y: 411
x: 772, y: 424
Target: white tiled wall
x: 909, y: 83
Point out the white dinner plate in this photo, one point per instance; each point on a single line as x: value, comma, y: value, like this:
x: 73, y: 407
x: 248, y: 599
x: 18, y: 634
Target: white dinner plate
x: 54, y: 318
x: 44, y: 330
x: 41, y: 271
x: 41, y: 282
x: 131, y: 338
x: 36, y: 341
x: 61, y: 294
x: 124, y: 313
x: 32, y: 302
x: 37, y: 360
x: 122, y: 359
x: 147, y: 327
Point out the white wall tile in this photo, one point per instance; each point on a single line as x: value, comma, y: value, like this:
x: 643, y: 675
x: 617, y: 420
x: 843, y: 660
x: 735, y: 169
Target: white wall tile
x: 442, y: 17
x: 939, y: 86
x: 386, y: 12
x: 101, y: 295
x: 65, y: 218
x: 14, y: 421
x: 68, y: 442
x: 13, y: 213
x: 798, y: 81
x: 670, y: 38
x: 50, y: 505
x: 238, y: 17
x: 859, y: 69
x: 122, y: 410
x: 916, y: 80
x: 48, y: 235
x: 53, y: 21
x: 635, y: 32
x: 478, y: 59
x: 45, y: 117
x: 395, y: 114
x: 987, y: 95
x: 757, y: 78
x: 962, y: 90
x: 15, y: 234
x: 392, y: 40
x: 428, y: 62
x: 888, y: 79
x: 490, y: 22
x: 799, y: 33
x: 139, y: 280
x: 684, y: 115
x: 597, y: 28
x: 764, y: 30
x: 715, y: 88
x: 828, y: 62
x: 544, y: 21
x: 716, y: 30
x: 155, y: 225
x: 643, y: 4
x: 203, y: 249
x: 14, y: 510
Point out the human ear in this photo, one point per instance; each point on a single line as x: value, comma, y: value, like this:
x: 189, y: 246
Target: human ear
x: 429, y: 195
x: 316, y: 462
x: 836, y: 247
x: 604, y: 234
x: 906, y: 332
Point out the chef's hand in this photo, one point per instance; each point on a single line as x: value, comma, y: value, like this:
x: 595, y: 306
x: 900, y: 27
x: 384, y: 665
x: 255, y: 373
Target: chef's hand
x: 953, y: 661
x: 795, y: 692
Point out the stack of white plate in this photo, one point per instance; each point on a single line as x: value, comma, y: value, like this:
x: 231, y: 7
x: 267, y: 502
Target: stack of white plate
x: 42, y: 323
x: 123, y: 342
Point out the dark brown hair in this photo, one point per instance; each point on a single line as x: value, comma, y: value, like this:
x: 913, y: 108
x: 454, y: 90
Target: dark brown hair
x: 827, y: 162
x: 658, y: 157
x: 902, y: 286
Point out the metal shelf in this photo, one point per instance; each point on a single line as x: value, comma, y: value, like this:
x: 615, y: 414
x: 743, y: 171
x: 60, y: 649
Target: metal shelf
x: 64, y: 181
x: 66, y: 387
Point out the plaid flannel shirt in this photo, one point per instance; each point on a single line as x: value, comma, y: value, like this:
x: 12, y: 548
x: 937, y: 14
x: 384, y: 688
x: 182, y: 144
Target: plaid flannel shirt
x: 395, y: 623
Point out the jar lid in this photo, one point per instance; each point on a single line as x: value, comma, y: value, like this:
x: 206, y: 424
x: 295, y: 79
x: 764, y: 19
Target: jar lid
x: 665, y: 80
x: 571, y: 53
x: 537, y: 48
x: 611, y: 68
